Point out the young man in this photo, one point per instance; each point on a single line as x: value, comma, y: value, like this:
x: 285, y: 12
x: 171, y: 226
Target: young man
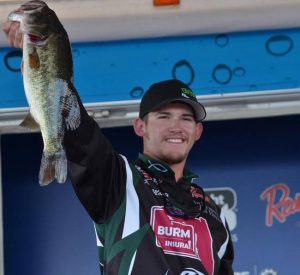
x: 150, y: 218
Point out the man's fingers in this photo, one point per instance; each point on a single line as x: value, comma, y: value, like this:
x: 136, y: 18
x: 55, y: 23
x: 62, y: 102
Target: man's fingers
x: 18, y: 40
x: 13, y: 35
x: 6, y: 26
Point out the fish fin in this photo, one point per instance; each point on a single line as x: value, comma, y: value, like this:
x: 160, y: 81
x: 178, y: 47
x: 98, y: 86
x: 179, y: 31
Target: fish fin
x: 70, y: 111
x: 53, y: 167
x: 29, y: 122
x: 34, y: 60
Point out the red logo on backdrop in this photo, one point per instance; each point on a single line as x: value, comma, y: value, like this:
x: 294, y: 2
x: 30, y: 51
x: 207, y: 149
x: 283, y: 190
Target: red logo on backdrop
x: 280, y: 207
x: 177, y: 236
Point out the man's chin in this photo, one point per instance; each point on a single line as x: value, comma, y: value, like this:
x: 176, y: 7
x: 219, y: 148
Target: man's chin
x: 174, y: 159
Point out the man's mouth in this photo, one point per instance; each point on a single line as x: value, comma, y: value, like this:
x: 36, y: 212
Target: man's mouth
x: 175, y: 140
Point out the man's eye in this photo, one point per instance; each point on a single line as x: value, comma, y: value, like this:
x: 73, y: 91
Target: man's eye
x: 162, y: 117
x: 188, y: 119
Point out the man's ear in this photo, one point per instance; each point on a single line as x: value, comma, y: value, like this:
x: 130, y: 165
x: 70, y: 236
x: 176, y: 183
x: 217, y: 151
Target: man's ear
x: 139, y: 127
x: 199, y: 131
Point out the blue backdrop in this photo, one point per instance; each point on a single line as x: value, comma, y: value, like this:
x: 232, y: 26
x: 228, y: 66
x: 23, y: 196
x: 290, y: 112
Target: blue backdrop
x: 249, y: 167
x: 210, y: 64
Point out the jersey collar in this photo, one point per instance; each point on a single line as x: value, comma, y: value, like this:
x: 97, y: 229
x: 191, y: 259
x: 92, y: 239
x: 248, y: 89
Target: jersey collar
x: 154, y: 166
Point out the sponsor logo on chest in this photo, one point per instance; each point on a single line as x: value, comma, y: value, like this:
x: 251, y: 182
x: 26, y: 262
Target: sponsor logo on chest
x: 188, y: 238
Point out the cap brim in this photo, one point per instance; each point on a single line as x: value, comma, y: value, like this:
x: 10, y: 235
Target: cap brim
x: 197, y: 107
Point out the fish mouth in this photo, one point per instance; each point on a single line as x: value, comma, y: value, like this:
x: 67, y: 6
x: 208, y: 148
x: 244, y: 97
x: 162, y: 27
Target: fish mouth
x: 22, y: 13
x: 28, y: 8
x: 29, y: 15
x: 32, y: 6
x: 16, y: 15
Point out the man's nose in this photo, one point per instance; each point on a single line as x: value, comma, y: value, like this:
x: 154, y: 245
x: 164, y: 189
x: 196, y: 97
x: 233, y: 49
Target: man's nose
x: 175, y: 125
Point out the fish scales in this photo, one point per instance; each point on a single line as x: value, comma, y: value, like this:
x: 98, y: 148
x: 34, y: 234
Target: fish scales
x: 47, y: 77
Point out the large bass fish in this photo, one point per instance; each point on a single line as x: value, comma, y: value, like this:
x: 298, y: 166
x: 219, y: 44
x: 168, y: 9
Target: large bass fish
x: 47, y: 76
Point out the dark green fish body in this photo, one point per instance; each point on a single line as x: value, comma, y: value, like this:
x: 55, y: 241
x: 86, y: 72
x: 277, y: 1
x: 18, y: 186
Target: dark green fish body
x: 47, y: 77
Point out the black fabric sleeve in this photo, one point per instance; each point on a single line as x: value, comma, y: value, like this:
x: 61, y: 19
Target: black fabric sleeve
x: 227, y: 260
x: 97, y: 172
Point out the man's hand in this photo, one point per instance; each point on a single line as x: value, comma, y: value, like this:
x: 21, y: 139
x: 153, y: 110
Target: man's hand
x: 12, y: 31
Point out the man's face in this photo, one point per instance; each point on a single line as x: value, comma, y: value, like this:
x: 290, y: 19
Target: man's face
x: 169, y: 132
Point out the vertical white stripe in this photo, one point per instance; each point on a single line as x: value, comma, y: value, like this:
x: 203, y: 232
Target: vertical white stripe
x: 97, y: 238
x: 222, y: 250
x: 132, y: 211
x: 131, y: 263
x: 132, y: 214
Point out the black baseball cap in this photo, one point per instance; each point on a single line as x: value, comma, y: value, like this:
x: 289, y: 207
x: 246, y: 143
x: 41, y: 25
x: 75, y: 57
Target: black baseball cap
x: 168, y: 91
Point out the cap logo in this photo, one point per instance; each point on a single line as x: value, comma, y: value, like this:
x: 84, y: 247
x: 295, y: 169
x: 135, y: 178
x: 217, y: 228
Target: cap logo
x: 187, y: 92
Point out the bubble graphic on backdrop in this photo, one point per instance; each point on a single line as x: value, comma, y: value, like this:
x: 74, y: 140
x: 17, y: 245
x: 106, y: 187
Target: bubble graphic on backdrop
x: 279, y: 45
x: 222, y: 74
x: 222, y: 40
x: 12, y: 61
x: 184, y: 71
x: 137, y: 92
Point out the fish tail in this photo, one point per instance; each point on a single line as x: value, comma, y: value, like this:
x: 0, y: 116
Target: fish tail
x: 53, y: 167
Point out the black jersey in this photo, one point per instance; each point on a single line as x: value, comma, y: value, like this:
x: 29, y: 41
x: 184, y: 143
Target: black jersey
x: 139, y: 211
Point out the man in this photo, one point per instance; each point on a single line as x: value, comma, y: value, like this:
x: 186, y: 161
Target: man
x: 150, y: 217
